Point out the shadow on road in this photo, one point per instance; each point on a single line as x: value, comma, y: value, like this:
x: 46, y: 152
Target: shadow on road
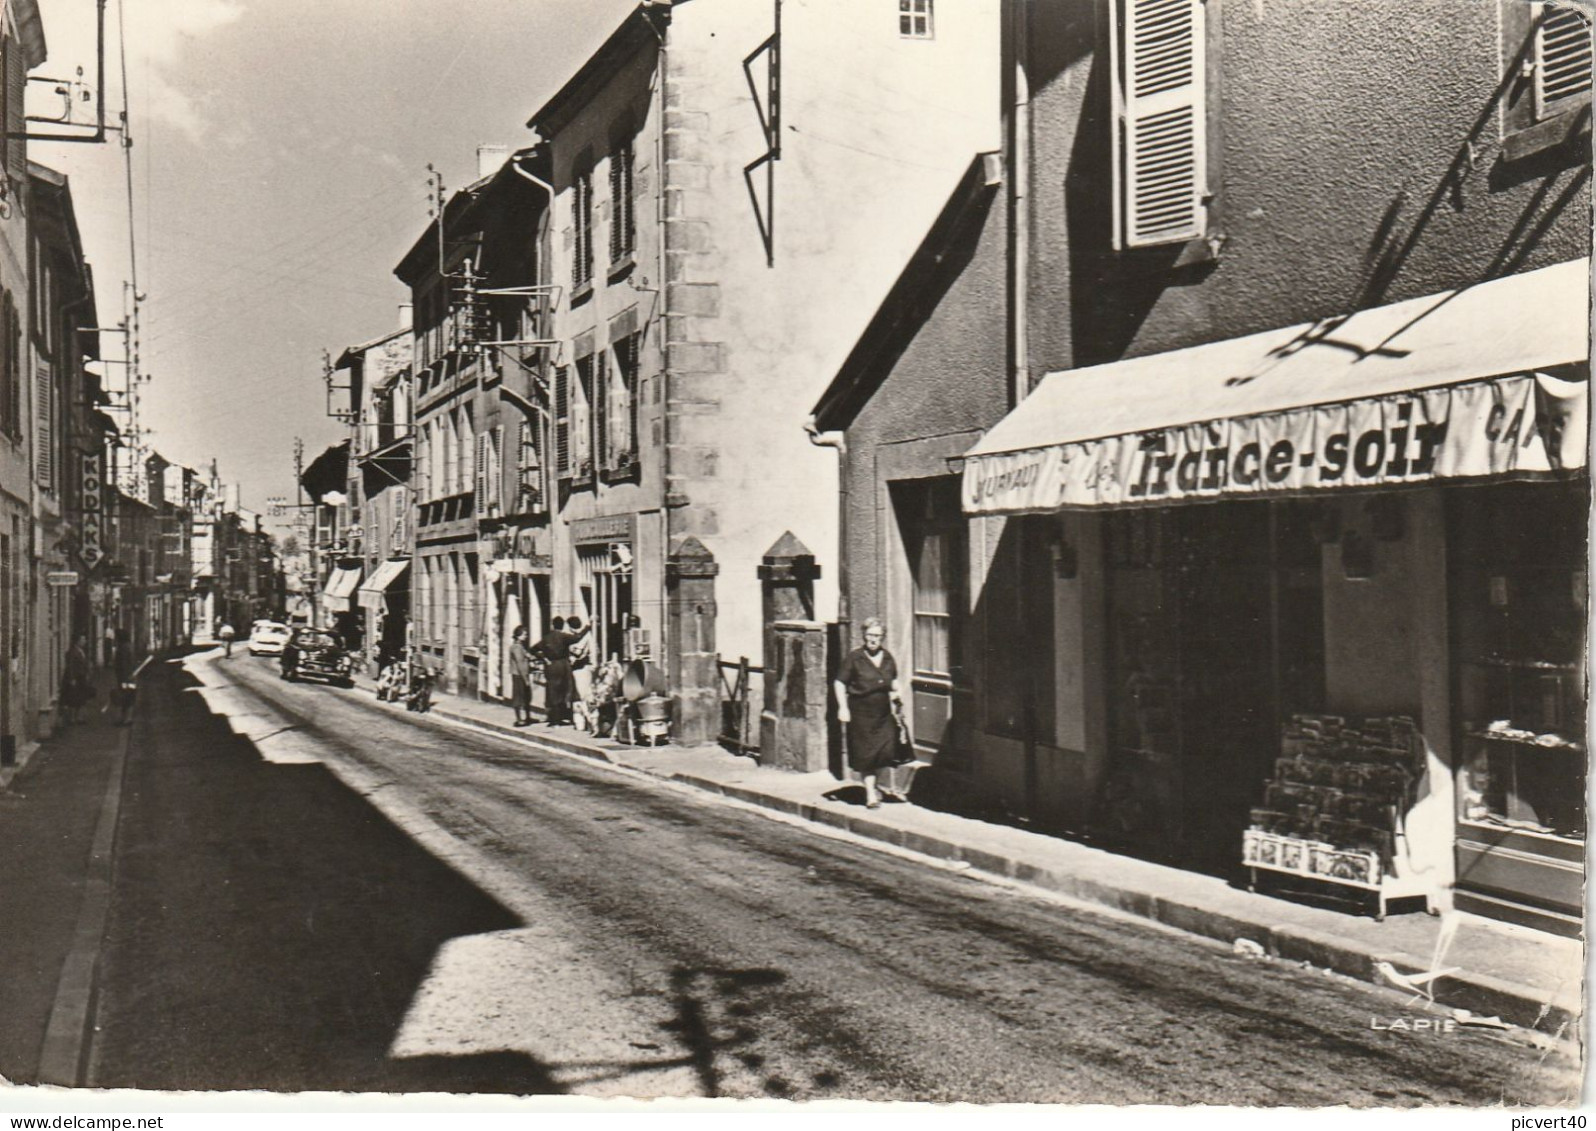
x: 270, y: 927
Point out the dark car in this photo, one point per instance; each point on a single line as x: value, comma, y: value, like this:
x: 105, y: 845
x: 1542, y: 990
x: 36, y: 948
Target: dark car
x: 315, y: 653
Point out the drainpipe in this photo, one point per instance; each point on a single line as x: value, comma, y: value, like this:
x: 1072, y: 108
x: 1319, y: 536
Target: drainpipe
x: 1020, y: 204
x: 837, y: 441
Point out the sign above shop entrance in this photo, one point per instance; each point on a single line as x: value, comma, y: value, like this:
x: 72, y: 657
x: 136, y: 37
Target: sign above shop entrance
x: 1513, y: 426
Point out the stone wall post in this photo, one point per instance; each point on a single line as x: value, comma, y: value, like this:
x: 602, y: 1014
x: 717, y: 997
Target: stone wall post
x: 692, y: 664
x: 792, y: 725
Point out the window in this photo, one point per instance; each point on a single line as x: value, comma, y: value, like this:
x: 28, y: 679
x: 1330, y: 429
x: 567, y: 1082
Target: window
x: 623, y: 223
x: 622, y: 416
x: 582, y: 222
x: 528, y: 469
x: 581, y: 418
x: 1547, y: 55
x: 601, y: 402
x: 914, y: 19
x: 1562, y: 61
x: 1160, y: 126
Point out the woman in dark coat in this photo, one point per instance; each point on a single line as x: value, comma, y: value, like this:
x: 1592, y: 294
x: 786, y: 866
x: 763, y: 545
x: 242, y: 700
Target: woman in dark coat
x: 555, y: 651
x: 555, y: 648
x: 867, y: 703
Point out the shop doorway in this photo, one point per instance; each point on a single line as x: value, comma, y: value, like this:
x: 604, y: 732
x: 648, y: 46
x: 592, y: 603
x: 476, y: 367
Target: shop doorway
x: 606, y: 587
x: 935, y: 542
x: 1215, y: 623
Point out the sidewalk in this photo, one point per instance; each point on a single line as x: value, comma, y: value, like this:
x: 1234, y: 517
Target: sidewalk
x: 57, y: 817
x: 1523, y: 976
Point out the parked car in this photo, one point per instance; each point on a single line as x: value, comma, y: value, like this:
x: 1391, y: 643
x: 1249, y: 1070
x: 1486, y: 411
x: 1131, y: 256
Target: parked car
x: 267, y: 637
x: 315, y: 653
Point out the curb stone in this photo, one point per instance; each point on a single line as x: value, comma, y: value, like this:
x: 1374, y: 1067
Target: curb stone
x: 1479, y: 993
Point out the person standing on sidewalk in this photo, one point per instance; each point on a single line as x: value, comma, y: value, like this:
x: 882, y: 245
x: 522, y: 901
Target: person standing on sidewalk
x: 521, y: 677
x: 555, y: 648
x: 868, y: 700
x: 77, y: 684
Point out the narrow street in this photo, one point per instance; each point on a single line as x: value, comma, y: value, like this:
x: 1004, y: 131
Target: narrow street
x: 599, y: 934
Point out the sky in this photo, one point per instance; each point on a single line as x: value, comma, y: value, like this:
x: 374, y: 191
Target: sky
x: 280, y: 152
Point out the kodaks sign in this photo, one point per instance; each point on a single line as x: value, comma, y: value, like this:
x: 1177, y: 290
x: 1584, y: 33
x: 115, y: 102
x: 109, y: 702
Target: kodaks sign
x: 1525, y: 424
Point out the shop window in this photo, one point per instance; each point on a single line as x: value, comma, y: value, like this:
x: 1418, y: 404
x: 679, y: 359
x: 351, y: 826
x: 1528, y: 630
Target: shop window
x: 1547, y: 51
x: 1518, y: 585
x: 914, y: 19
x: 1160, y: 122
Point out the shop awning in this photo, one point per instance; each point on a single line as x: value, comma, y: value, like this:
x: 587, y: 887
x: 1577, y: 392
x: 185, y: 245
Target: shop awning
x: 1491, y: 380
x: 373, y: 594
x: 340, y: 586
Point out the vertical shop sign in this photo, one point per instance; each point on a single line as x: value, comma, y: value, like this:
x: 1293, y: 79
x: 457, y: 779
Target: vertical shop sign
x: 90, y: 549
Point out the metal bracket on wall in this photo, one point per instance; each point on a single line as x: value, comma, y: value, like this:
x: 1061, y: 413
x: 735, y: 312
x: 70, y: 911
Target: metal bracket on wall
x: 769, y: 111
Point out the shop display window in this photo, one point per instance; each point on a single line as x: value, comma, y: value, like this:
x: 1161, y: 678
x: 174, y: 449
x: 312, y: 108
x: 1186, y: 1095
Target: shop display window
x: 1519, y: 592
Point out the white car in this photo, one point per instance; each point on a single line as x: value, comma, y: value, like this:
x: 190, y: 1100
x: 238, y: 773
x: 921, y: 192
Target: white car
x: 267, y: 638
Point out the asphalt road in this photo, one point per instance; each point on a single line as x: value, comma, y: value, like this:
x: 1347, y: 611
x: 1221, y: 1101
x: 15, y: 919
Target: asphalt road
x: 476, y: 915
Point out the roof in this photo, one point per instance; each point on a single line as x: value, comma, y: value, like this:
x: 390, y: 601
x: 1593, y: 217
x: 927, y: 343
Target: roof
x: 635, y: 31
x: 353, y: 353
x: 465, y: 211
x: 905, y: 307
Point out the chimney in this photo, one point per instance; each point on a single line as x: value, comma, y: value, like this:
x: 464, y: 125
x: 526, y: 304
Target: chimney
x: 490, y: 158
x: 404, y: 316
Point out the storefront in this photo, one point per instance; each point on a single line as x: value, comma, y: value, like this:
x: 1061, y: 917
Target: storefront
x: 385, y: 600
x: 604, y: 559
x: 517, y: 579
x: 1327, y: 590
x: 337, y: 601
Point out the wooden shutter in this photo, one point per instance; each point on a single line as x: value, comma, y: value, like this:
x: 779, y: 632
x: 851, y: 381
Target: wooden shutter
x: 1160, y: 131
x: 16, y: 76
x: 622, y: 225
x: 1562, y: 60
x: 479, y: 471
x: 44, y: 424
x: 601, y: 409
x: 562, y: 420
x: 496, y: 472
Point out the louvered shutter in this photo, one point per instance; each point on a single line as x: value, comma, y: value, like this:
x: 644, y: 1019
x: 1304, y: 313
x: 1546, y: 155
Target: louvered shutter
x: 562, y: 420
x: 1562, y: 59
x: 44, y: 424
x: 601, y: 409
x: 1160, y: 130
x: 496, y: 473
x: 479, y: 471
x: 16, y: 77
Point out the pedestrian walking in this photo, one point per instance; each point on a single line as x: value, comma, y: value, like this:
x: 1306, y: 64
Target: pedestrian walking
x: 225, y: 634
x: 127, y: 687
x: 521, y: 677
x: 77, y: 684
x: 868, y: 705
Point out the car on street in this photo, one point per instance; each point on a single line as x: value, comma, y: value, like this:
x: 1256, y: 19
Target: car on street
x: 267, y: 637
x: 315, y: 653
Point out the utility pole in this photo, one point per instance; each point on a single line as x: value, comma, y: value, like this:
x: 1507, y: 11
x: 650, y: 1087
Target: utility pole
x: 280, y: 507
